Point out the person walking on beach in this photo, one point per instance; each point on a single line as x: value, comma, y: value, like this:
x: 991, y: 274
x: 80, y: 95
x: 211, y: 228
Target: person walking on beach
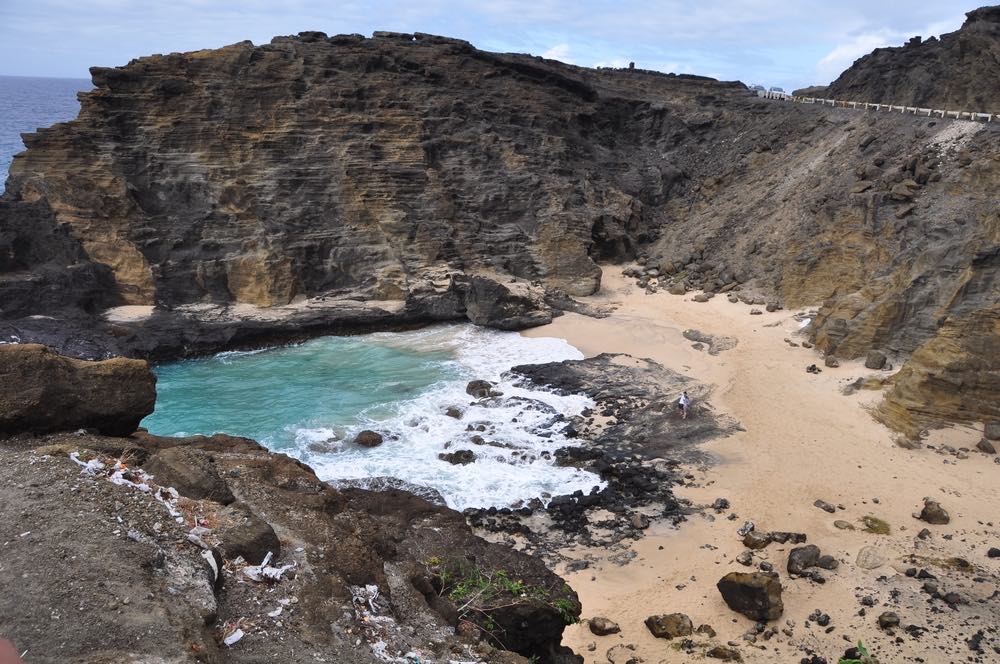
x: 684, y: 404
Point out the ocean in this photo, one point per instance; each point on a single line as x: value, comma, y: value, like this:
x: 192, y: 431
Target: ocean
x: 309, y: 400
x: 29, y: 103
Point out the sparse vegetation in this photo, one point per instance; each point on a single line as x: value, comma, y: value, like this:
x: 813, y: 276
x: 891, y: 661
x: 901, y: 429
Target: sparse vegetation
x: 875, y: 525
x: 478, y: 594
x: 864, y: 657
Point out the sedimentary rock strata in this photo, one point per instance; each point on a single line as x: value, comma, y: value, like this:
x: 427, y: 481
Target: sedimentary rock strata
x: 320, y: 184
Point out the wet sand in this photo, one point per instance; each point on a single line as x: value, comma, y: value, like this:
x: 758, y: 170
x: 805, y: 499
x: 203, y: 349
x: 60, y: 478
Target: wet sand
x: 803, y: 440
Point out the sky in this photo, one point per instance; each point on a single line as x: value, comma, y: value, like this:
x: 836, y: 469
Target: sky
x: 786, y: 43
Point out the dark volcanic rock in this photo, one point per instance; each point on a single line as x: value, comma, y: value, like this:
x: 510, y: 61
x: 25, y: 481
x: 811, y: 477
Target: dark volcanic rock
x: 755, y: 594
x: 43, y: 267
x: 934, y: 513
x: 480, y: 389
x: 643, y: 392
x: 459, y: 457
x: 888, y: 620
x: 803, y: 557
x: 875, y: 359
x: 42, y: 391
x: 368, y: 438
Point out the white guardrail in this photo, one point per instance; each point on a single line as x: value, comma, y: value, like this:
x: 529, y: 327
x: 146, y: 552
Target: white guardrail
x: 866, y: 106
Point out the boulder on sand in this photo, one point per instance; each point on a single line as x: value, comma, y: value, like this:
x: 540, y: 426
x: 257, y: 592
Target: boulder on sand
x: 42, y: 391
x: 875, y: 359
x: 934, y: 513
x: 756, y: 595
x: 670, y: 625
x: 603, y: 626
x: 802, y: 558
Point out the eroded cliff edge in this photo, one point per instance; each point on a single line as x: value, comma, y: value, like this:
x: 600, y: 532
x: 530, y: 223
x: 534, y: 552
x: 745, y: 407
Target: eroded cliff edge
x: 333, y: 184
x: 957, y: 71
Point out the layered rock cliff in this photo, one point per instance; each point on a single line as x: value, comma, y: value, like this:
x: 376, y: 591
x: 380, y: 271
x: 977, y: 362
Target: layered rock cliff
x: 957, y: 71
x: 319, y: 183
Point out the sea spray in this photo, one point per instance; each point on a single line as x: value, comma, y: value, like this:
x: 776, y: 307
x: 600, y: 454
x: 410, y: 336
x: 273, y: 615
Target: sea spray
x: 311, y: 399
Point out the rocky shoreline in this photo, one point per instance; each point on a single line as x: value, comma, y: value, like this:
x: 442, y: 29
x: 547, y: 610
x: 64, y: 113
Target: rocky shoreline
x: 213, y: 549
x: 200, y: 512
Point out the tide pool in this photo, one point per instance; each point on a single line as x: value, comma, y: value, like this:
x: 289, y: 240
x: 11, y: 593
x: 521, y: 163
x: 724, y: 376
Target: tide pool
x: 310, y: 399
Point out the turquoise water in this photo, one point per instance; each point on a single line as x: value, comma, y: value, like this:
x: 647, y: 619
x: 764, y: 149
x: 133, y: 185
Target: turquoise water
x: 270, y: 396
x: 310, y: 400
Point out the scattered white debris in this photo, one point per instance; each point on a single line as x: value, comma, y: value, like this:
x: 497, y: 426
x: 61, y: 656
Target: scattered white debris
x: 91, y: 467
x: 366, y: 595
x: 207, y: 555
x: 264, y: 571
x: 233, y: 637
x: 282, y: 603
x: 25, y: 533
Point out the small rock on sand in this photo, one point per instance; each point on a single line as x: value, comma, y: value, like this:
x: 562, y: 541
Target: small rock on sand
x: 933, y: 513
x: 888, y: 620
x: 724, y: 653
x: 669, y: 625
x: 601, y: 626
x: 825, y: 506
x: 803, y: 557
x: 870, y: 557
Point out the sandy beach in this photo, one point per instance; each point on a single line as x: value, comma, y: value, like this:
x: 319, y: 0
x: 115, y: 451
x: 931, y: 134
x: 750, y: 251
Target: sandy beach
x: 803, y: 440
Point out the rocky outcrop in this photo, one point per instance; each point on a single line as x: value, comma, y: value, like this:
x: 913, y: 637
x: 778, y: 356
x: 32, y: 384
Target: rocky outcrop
x: 639, y: 398
x: 349, y: 184
x: 956, y: 72
x: 41, y: 391
x: 44, y: 268
x: 954, y: 375
x: 358, y: 573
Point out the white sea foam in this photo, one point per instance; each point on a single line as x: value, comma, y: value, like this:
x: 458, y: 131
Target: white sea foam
x: 525, y: 431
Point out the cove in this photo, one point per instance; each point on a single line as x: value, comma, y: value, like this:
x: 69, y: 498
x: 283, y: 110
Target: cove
x: 310, y: 399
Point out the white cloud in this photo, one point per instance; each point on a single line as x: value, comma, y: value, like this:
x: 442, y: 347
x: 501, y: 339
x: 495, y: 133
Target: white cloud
x: 617, y: 63
x: 559, y: 52
x: 844, y: 54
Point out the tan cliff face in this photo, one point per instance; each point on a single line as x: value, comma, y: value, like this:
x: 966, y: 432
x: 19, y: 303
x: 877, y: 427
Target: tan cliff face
x: 253, y: 174
x: 356, y: 167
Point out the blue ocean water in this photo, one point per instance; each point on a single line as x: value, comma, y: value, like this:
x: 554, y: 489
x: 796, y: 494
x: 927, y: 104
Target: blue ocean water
x: 309, y: 401
x: 29, y: 103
